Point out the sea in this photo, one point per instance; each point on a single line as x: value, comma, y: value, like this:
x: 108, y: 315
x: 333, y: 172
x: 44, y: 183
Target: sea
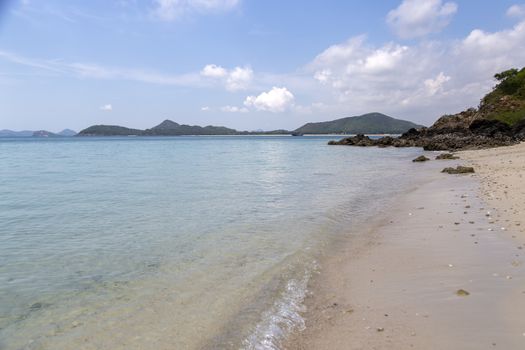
x: 176, y: 242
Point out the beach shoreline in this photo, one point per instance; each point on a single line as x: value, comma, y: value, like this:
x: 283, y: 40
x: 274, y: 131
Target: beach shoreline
x: 443, y: 269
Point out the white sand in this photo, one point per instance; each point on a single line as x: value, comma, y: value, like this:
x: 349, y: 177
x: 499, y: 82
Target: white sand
x: 394, y: 287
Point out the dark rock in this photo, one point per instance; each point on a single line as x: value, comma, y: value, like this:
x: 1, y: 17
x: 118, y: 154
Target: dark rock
x: 36, y: 306
x: 420, y: 159
x: 459, y: 170
x: 456, y: 122
x: 358, y: 140
x: 446, y: 156
x: 490, y: 128
x: 519, y: 130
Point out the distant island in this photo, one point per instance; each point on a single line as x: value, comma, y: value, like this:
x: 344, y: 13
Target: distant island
x: 38, y: 133
x: 372, y: 123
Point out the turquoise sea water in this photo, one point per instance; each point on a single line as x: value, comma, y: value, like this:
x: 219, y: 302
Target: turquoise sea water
x: 174, y: 243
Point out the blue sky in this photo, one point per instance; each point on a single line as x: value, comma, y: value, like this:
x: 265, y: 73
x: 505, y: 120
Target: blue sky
x: 248, y: 64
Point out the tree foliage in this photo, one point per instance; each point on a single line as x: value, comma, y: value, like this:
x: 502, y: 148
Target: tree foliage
x: 511, y: 82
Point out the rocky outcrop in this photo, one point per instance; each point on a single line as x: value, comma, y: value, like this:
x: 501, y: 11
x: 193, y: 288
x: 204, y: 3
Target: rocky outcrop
x: 420, y: 159
x: 499, y: 121
x: 455, y: 122
x: 450, y: 133
x: 459, y: 170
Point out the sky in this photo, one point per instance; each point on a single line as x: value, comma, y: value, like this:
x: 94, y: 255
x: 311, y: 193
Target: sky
x: 249, y: 64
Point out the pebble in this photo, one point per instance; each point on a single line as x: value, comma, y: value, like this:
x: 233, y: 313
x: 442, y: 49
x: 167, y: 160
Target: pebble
x: 462, y: 293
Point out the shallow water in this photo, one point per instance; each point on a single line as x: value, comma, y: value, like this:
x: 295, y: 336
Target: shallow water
x: 183, y: 242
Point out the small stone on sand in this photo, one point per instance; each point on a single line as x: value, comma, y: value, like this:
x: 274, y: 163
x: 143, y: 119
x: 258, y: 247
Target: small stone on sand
x: 462, y: 293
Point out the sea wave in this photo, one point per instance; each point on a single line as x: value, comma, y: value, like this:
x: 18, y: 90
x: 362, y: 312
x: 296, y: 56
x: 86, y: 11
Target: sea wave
x: 284, y: 317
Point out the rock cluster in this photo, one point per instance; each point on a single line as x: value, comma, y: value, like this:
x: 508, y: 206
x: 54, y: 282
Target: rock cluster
x: 466, y: 130
x: 459, y: 170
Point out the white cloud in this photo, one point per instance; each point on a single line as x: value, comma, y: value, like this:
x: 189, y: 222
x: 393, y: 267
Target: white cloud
x: 275, y: 100
x: 94, y: 71
x: 425, y: 80
x: 435, y: 85
x: 107, y: 107
x: 417, y: 18
x: 384, y: 59
x: 213, y: 71
x: 205, y: 109
x: 234, y: 109
x: 494, y: 51
x: 517, y: 11
x: 169, y: 10
x: 238, y: 78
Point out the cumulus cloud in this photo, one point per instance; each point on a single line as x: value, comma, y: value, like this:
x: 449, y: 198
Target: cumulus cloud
x: 517, y: 11
x: 213, y: 71
x: 107, y: 107
x: 275, y: 100
x: 417, y: 18
x: 235, y: 79
x: 169, y: 10
x: 239, y: 78
x: 436, y: 85
x: 424, y: 79
x: 234, y: 109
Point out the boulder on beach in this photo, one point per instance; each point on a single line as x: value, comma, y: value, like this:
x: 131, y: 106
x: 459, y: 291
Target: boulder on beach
x: 459, y: 170
x: 420, y: 159
x: 446, y: 156
x: 462, y: 293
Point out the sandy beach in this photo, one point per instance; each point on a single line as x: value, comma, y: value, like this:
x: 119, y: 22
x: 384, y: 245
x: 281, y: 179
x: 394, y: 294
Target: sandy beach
x: 445, y: 269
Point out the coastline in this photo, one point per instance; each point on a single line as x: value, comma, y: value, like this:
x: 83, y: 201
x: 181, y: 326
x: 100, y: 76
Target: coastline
x: 394, y: 284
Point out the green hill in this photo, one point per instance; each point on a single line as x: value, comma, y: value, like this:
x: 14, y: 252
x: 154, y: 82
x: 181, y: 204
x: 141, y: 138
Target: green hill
x: 166, y: 128
x: 109, y: 130
x: 371, y: 123
x: 506, y: 102
x: 170, y: 128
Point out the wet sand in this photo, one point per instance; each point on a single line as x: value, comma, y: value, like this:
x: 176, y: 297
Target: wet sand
x: 395, y: 285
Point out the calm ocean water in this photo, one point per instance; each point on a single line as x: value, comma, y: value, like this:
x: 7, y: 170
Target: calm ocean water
x: 174, y: 243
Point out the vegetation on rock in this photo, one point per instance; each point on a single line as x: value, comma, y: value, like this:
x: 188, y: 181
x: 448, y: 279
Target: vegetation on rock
x: 506, y: 102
